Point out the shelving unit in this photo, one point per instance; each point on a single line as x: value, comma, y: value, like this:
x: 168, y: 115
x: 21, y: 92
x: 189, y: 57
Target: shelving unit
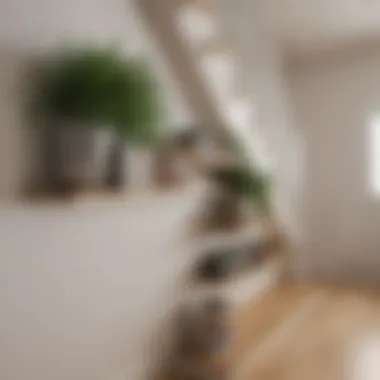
x: 241, y: 287
x: 218, y: 66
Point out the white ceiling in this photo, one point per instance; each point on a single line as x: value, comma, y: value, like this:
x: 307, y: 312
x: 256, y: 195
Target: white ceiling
x: 307, y: 25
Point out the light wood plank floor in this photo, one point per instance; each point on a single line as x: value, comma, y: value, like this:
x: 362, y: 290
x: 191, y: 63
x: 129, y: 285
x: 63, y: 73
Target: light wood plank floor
x: 309, y: 332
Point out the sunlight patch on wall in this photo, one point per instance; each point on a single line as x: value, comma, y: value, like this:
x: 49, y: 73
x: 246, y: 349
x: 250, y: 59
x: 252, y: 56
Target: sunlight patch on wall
x: 374, y: 155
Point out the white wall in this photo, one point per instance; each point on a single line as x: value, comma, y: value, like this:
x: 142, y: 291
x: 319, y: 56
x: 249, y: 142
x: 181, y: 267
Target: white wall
x: 83, y: 289
x: 86, y: 291
x: 334, y: 96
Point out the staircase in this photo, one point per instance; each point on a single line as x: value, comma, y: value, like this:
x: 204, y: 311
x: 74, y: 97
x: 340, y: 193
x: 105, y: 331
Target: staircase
x: 209, y: 69
x: 230, y: 74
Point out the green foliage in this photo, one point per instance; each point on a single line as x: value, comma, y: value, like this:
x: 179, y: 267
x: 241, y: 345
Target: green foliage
x: 140, y: 110
x: 101, y: 86
x: 245, y: 183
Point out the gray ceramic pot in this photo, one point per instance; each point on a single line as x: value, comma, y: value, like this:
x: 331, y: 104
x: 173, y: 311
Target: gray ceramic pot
x: 82, y: 155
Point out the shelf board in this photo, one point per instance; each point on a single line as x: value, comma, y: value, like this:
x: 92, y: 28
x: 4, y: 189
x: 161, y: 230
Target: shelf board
x: 241, y: 287
x: 253, y: 229
x: 90, y: 197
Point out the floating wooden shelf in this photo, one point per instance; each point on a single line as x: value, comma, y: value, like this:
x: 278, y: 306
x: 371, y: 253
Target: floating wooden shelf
x: 110, y: 197
x: 235, y: 281
x: 252, y: 229
x: 231, y: 237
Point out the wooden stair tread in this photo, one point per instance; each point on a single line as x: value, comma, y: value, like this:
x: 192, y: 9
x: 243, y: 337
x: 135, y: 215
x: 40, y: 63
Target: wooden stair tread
x: 240, y: 289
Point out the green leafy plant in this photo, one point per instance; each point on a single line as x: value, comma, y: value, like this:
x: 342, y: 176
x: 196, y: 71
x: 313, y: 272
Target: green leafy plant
x: 101, y: 86
x: 243, y: 182
x: 138, y: 111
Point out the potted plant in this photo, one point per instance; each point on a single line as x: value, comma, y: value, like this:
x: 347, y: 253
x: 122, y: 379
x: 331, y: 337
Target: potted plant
x: 240, y: 191
x: 90, y: 97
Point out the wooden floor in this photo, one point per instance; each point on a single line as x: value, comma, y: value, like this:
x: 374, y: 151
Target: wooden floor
x: 300, y: 332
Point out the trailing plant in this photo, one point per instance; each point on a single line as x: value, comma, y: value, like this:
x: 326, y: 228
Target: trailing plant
x: 243, y: 182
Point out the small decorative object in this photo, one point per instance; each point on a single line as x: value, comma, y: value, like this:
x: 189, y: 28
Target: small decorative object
x: 186, y: 150
x: 92, y: 99
x: 201, y: 148
x: 165, y: 170
x: 197, y: 149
